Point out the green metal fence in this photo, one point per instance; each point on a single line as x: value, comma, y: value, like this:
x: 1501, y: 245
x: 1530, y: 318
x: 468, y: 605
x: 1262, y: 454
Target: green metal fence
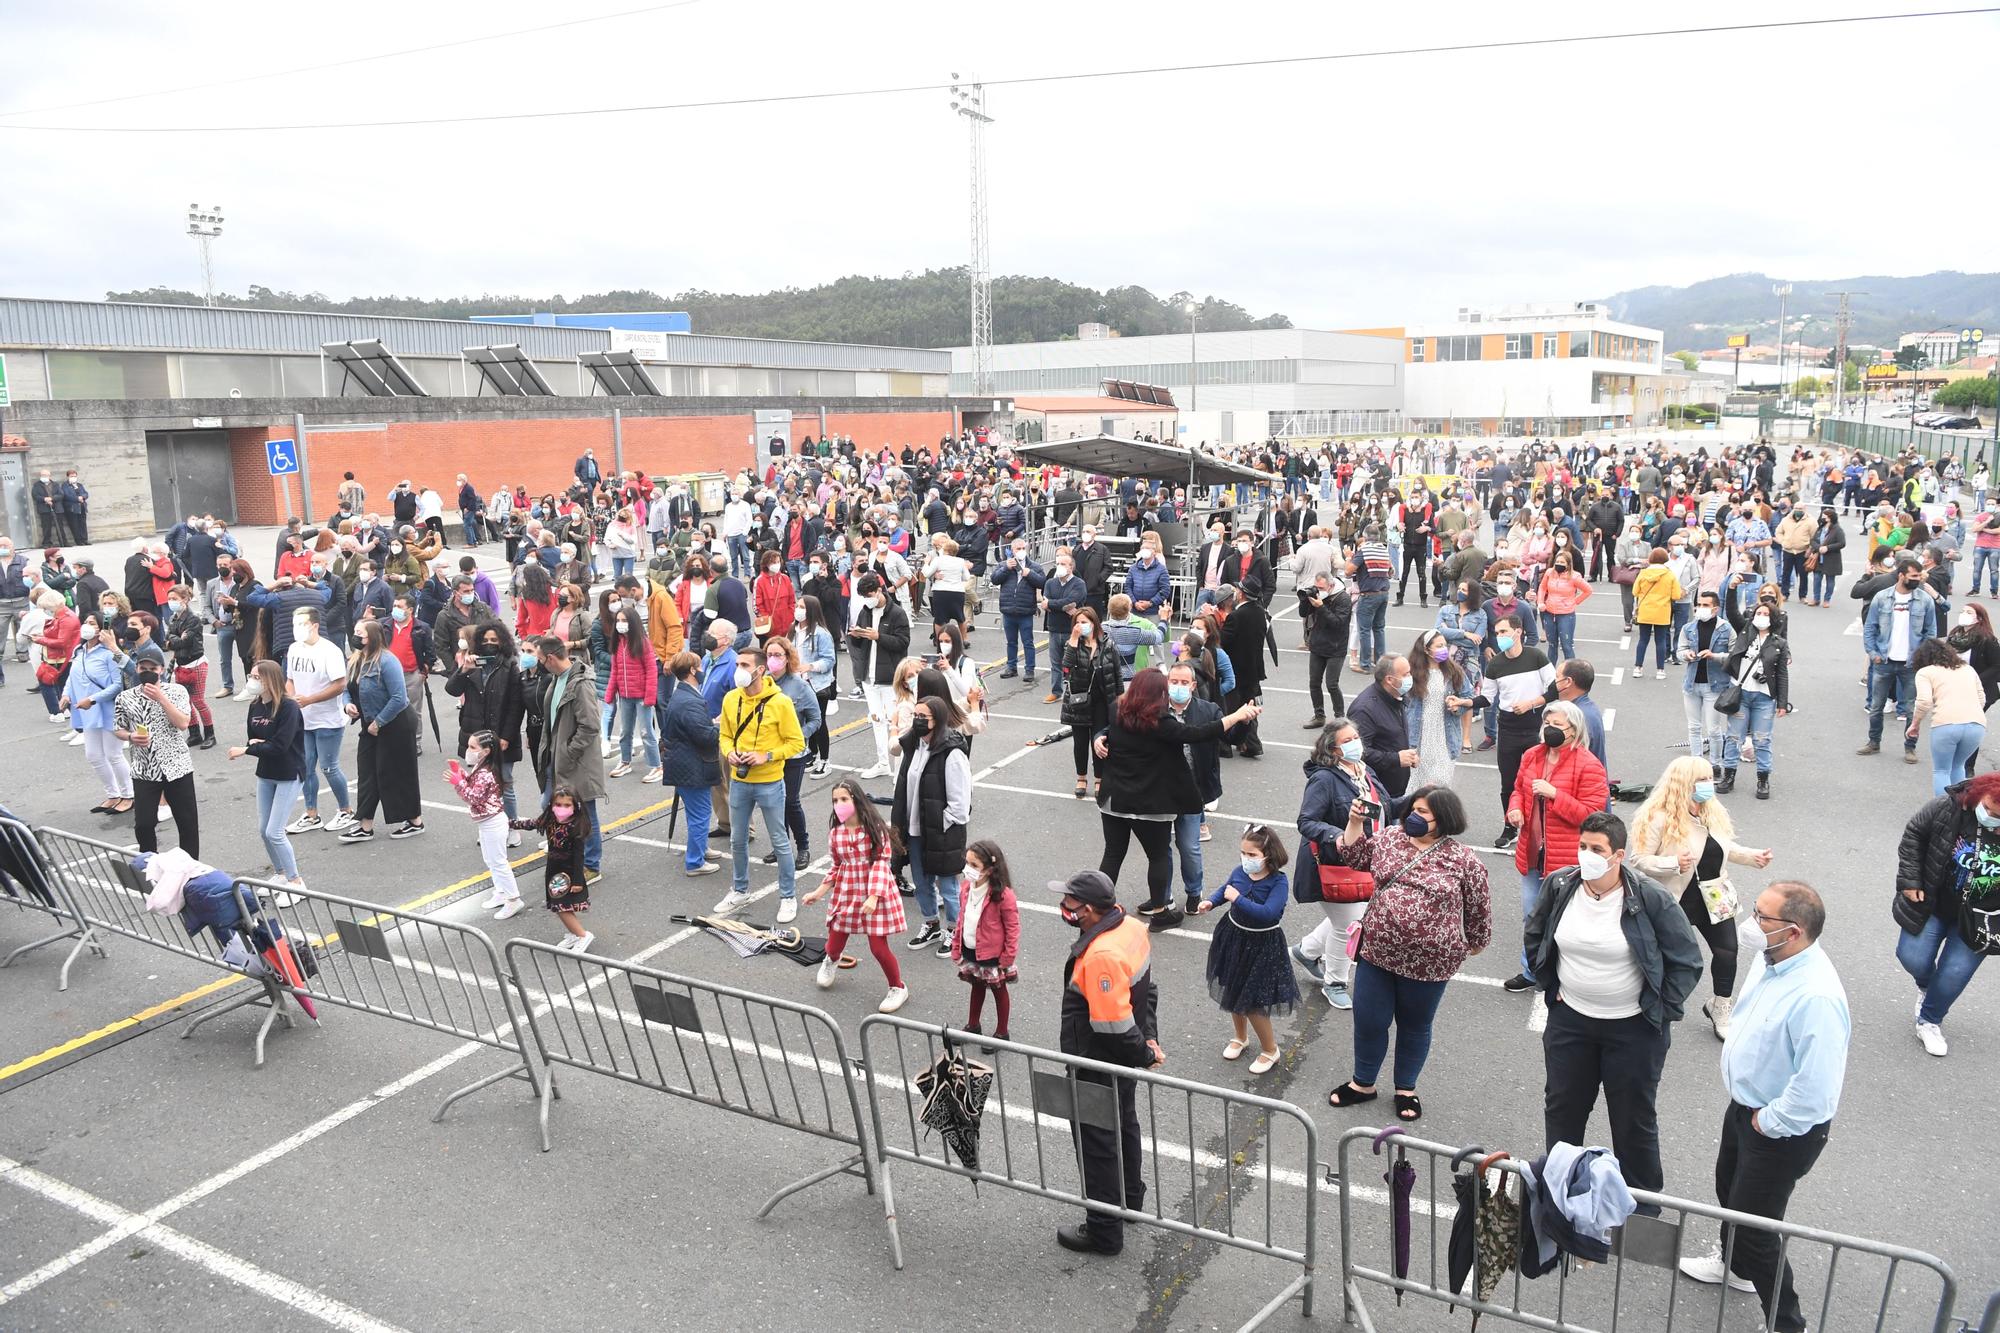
x: 1968, y: 448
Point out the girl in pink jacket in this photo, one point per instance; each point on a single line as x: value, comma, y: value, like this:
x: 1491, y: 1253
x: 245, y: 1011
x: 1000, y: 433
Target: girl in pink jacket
x: 987, y: 939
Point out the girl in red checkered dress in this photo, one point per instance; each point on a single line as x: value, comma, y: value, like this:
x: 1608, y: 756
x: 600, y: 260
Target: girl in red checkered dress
x: 865, y: 900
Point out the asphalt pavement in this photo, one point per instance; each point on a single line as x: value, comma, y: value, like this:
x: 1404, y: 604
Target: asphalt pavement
x: 150, y: 1182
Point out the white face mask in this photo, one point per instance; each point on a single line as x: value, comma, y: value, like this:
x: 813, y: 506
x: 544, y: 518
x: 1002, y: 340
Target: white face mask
x: 1704, y: 613
x: 1761, y: 622
x: 1503, y: 590
x: 743, y: 675
x: 1252, y: 865
x: 1967, y: 619
x: 303, y: 628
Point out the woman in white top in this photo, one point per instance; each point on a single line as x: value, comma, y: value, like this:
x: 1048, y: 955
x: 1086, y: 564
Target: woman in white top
x: 960, y: 672
x: 1683, y: 837
x: 621, y: 542
x: 1950, y: 694
x: 430, y: 513
x: 946, y: 574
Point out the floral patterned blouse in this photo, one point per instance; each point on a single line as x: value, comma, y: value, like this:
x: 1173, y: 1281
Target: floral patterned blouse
x: 1427, y: 914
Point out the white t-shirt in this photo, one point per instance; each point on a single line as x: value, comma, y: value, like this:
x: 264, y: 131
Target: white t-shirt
x: 311, y: 667
x: 1595, y: 970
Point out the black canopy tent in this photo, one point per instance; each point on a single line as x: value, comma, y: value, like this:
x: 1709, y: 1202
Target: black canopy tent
x: 1111, y: 456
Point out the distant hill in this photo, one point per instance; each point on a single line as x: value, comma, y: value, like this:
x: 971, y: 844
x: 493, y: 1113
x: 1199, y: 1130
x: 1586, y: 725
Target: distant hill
x: 1703, y: 315
x: 929, y: 309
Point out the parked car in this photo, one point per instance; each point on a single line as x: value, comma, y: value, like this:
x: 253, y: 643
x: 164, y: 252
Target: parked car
x: 1953, y: 421
x: 1902, y: 411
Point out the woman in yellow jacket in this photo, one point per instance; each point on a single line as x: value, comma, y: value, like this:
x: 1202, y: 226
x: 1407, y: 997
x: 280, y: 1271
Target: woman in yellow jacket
x: 1654, y: 593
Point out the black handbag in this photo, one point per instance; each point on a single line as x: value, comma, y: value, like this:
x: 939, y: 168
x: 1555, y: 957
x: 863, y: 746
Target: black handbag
x: 1730, y: 702
x: 1910, y: 917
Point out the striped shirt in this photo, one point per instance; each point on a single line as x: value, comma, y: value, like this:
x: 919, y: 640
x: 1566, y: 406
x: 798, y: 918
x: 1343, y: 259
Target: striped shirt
x: 1373, y: 567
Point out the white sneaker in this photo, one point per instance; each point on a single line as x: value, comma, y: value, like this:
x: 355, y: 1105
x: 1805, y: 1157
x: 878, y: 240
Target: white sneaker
x: 1709, y: 1269
x: 652, y: 774
x: 305, y: 823
x: 59, y: 717
x: 732, y: 903
x: 513, y: 837
x: 788, y: 911
x: 580, y: 943
x: 510, y: 907
x: 342, y: 819
x: 619, y: 770
x: 1932, y: 1036
x: 894, y: 1000
x: 1660, y: 673
x: 75, y: 738
x: 877, y: 770
x: 494, y: 899
x: 829, y: 968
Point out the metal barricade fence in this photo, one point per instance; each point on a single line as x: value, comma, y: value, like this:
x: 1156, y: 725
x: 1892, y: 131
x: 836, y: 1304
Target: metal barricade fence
x: 25, y: 882
x: 421, y: 970
x: 1640, y: 1287
x: 110, y: 896
x: 758, y: 1056
x: 1215, y: 1152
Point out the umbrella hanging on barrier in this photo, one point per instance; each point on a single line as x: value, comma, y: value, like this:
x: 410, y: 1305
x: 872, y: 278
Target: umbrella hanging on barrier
x: 1401, y: 1178
x: 1464, y: 1188
x: 1485, y: 1232
x: 954, y: 1089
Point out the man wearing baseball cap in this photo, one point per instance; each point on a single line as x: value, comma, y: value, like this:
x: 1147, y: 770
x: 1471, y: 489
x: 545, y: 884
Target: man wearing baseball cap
x: 1109, y: 1014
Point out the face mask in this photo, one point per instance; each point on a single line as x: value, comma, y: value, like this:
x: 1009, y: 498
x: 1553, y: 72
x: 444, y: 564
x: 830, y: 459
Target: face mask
x: 1244, y: 547
x: 1087, y: 631
x: 528, y: 661
x: 1062, y: 569
x: 1986, y: 819
x: 473, y: 756
x: 399, y: 615
x: 1704, y: 792
x: 920, y: 724
x: 1503, y: 589
x: 1021, y: 554
x: 1967, y: 619
x: 743, y: 675
x: 944, y: 650
x: 177, y: 607
x: 1761, y: 621
x: 1400, y: 685
x: 1415, y: 825
x: 1070, y: 915
x: 1504, y: 642
x: 843, y: 810
x: 878, y: 601
x: 1553, y: 737
x: 1704, y: 613
x: 395, y: 548
x: 776, y: 664
x: 1562, y: 541
x: 1252, y: 865
x: 301, y: 627
x: 562, y: 812
x: 1352, y: 750
x: 1440, y: 653
x: 465, y: 599
x: 1591, y: 866
x: 1772, y: 946
x: 149, y: 677
x: 623, y: 624
x: 1180, y: 694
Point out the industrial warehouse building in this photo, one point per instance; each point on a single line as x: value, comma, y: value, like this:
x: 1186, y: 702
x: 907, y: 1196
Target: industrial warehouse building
x: 166, y: 410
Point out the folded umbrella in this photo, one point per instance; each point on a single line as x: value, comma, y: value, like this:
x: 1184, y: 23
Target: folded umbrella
x: 1401, y: 1178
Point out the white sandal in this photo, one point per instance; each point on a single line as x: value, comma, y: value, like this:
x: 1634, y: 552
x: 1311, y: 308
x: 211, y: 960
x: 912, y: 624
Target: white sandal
x: 1235, y: 1048
x: 1265, y: 1059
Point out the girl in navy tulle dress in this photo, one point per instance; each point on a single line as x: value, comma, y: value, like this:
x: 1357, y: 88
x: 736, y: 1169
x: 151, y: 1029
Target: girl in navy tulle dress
x: 1249, y: 974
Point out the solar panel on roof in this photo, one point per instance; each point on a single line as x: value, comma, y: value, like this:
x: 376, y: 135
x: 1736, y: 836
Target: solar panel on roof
x: 365, y: 361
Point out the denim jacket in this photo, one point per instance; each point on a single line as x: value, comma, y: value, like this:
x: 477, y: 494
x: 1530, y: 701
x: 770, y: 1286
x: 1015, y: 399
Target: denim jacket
x: 378, y: 692
x: 1413, y: 716
x: 1455, y: 624
x: 1877, y: 625
x: 1718, y: 674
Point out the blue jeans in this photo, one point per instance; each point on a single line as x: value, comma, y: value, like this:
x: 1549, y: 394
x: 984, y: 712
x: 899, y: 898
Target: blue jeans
x: 739, y: 558
x: 1952, y: 746
x: 1823, y: 585
x: 1986, y: 558
x: 634, y: 714
x: 1683, y: 610
x: 225, y: 648
x: 593, y: 846
x: 1381, y: 996
x: 1560, y: 629
x: 768, y: 799
x: 621, y: 565
x: 1371, y: 617
x: 1020, y: 631
x: 1707, y: 729
x: 1531, y: 893
x: 323, y: 752
x: 935, y: 893
x: 470, y: 521
x: 1187, y: 840
x: 1937, y: 957
x: 1659, y: 637
x: 274, y: 802
x: 1752, y: 721
x: 1883, y: 679
x: 696, y: 811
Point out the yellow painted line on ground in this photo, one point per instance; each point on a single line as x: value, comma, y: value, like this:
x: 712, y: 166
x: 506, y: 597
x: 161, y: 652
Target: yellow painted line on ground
x: 416, y: 904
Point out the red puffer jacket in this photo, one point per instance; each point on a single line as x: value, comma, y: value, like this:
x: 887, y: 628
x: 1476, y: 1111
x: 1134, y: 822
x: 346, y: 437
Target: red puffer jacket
x: 1549, y: 824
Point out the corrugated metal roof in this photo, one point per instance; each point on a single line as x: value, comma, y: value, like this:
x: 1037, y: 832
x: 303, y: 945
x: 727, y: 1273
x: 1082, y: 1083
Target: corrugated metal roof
x: 30, y: 322
x: 714, y: 349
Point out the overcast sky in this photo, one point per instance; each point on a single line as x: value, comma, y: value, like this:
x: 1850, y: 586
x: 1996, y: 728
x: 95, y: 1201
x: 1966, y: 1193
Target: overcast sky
x: 1346, y: 193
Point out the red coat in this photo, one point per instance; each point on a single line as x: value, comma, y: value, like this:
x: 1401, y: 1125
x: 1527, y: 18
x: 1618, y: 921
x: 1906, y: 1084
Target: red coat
x: 532, y: 617
x: 164, y: 580
x: 775, y: 598
x: 999, y: 928
x: 1552, y: 822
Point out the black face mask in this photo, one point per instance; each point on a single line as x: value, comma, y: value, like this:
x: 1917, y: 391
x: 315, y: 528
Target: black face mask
x: 1553, y: 737
x: 149, y: 678
x: 920, y: 724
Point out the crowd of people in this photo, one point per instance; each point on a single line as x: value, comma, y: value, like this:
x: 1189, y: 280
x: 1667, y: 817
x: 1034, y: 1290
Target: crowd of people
x: 699, y: 641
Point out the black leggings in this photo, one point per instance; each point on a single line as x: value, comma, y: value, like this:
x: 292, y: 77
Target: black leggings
x: 1079, y: 744
x: 1156, y: 836
x: 795, y: 814
x: 1721, y: 937
x: 146, y: 795
x: 821, y: 744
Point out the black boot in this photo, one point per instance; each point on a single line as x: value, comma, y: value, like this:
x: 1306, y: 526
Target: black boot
x: 1763, y: 786
x: 1728, y: 783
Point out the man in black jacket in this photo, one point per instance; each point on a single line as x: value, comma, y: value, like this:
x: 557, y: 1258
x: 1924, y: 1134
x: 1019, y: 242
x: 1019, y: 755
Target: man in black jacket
x: 1243, y: 629
x: 1326, y: 643
x: 1606, y: 517
x: 46, y: 495
x: 878, y: 639
x: 1093, y: 566
x: 1378, y: 713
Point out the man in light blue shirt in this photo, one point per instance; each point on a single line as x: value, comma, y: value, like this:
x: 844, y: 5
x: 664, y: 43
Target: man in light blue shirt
x: 1782, y: 1063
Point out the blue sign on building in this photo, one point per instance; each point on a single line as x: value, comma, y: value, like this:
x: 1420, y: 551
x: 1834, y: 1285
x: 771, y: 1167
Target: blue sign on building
x: 282, y: 456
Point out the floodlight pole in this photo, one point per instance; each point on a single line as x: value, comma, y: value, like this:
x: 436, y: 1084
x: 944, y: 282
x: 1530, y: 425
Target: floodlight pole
x: 969, y: 101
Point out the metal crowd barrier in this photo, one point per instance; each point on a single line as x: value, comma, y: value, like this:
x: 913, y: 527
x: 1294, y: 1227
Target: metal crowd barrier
x: 109, y: 896
x: 25, y: 882
x: 421, y: 970
x: 1218, y: 1149
x: 754, y: 1055
x: 1640, y: 1287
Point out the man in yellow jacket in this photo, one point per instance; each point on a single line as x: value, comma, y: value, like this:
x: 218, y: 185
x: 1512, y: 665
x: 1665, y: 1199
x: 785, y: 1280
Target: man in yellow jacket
x: 760, y: 731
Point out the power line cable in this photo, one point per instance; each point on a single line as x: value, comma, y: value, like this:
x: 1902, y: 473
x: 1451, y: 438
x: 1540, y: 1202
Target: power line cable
x: 1514, y: 44
x: 351, y: 60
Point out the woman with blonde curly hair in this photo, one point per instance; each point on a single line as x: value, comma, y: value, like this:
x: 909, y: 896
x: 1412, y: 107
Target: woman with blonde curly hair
x: 1682, y: 837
